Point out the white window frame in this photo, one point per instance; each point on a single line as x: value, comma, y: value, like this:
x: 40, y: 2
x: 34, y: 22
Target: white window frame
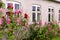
x: 51, y: 12
x: 36, y: 11
x: 13, y: 2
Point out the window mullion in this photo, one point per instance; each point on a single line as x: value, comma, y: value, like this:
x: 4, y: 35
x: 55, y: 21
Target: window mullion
x: 36, y: 12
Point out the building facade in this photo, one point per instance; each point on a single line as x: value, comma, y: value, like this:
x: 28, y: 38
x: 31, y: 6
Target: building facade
x: 37, y: 9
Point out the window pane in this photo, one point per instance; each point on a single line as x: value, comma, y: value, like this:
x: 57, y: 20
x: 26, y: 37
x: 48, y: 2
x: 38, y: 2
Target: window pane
x: 49, y: 10
x: 38, y: 8
x: 59, y: 17
x: 16, y: 6
x: 49, y: 17
x: 33, y: 17
x: 59, y: 11
x: 38, y: 16
x: 52, y: 10
x: 33, y: 8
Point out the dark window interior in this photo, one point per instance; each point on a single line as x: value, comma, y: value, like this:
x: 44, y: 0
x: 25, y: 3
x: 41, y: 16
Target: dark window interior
x: 16, y: 6
x: 59, y: 17
x: 59, y: 11
x: 33, y: 17
x: 49, y: 10
x: 33, y: 8
x: 38, y: 16
x: 49, y: 17
x: 38, y: 8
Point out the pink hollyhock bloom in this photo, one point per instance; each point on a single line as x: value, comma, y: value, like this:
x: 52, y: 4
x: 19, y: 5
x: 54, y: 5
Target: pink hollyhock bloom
x: 18, y: 21
x: 8, y: 21
x: 10, y: 6
x: 0, y: 21
x: 25, y: 15
x: 16, y: 12
x: 2, y: 10
x: 21, y: 11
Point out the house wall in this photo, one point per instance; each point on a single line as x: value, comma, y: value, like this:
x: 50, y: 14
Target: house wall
x: 27, y: 8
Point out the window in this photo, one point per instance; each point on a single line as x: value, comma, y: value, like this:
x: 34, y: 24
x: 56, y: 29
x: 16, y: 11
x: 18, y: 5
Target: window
x: 16, y: 6
x: 59, y: 17
x: 36, y: 13
x: 38, y: 16
x: 49, y: 10
x: 38, y: 8
x: 52, y: 10
x: 33, y: 8
x: 33, y: 16
x: 59, y: 11
x: 50, y: 14
x: 9, y: 3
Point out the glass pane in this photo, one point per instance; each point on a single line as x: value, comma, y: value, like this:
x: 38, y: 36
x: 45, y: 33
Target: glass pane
x: 59, y: 17
x: 49, y: 17
x: 38, y: 16
x: 52, y: 10
x: 49, y: 10
x: 59, y: 11
x: 16, y: 6
x: 33, y: 8
x: 33, y: 17
x: 38, y: 8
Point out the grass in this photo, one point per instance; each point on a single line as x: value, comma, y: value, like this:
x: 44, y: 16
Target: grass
x: 57, y: 38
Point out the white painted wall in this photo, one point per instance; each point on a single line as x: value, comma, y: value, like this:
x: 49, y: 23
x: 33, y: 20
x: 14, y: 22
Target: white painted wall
x: 27, y: 7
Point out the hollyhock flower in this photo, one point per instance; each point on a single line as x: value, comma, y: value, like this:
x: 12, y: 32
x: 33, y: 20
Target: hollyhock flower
x: 25, y: 16
x: 21, y: 11
x: 8, y: 13
x: 10, y: 6
x: 8, y: 20
x: 0, y: 21
x: 2, y: 10
x: 16, y: 12
x: 18, y: 21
